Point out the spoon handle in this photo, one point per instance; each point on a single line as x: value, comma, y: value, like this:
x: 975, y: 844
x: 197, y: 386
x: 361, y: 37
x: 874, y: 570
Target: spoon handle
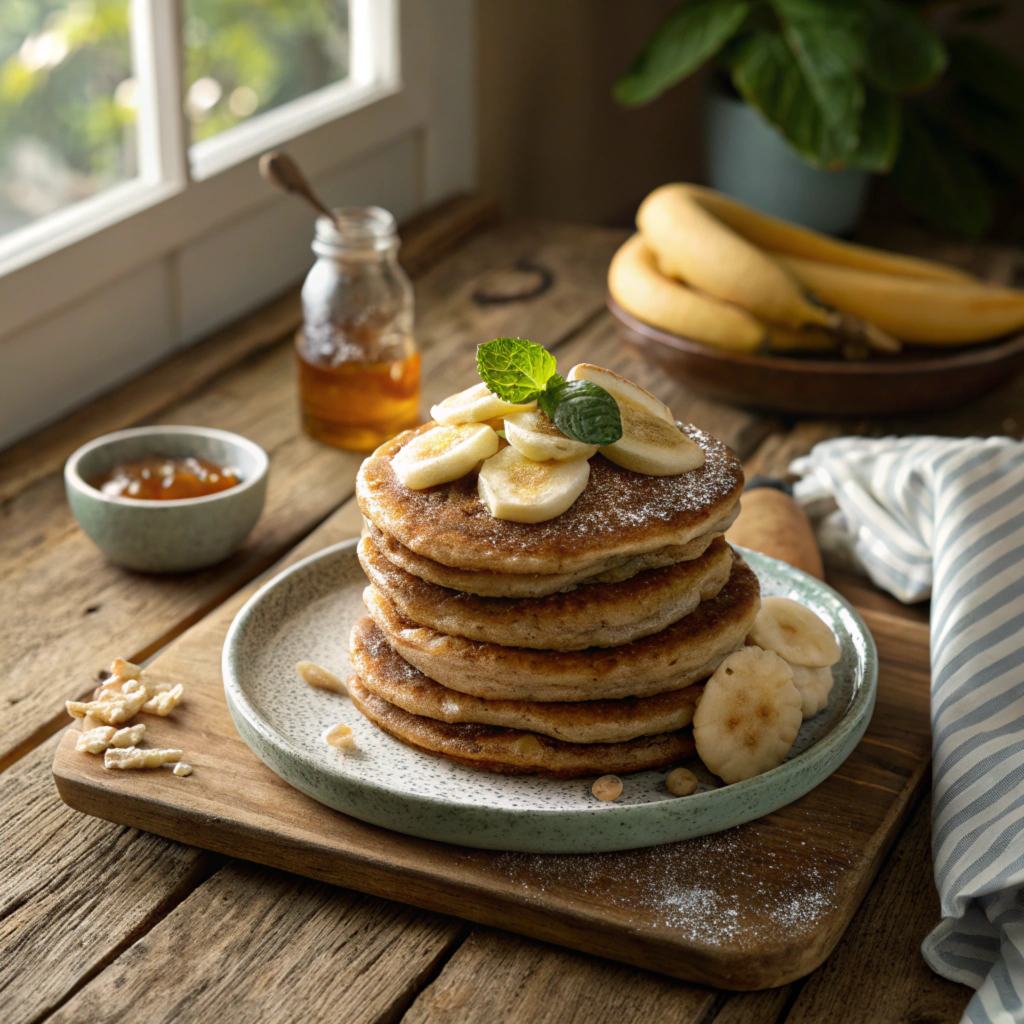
x: 284, y: 173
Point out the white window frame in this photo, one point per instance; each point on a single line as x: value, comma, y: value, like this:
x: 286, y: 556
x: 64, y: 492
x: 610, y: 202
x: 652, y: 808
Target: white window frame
x: 401, y: 81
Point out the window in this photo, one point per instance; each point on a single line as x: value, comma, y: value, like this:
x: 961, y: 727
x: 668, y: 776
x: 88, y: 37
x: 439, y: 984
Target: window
x: 67, y: 105
x: 244, y: 58
x: 132, y: 217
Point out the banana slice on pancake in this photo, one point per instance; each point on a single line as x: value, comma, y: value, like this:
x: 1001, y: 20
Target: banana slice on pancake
x: 444, y: 454
x: 534, y: 435
x: 516, y: 488
x: 795, y: 633
x: 748, y: 716
x: 651, y: 443
x: 621, y: 390
x: 474, y: 405
x: 814, y: 684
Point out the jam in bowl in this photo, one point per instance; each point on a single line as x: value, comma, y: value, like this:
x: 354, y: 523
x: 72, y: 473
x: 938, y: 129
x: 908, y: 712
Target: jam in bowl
x: 176, y: 517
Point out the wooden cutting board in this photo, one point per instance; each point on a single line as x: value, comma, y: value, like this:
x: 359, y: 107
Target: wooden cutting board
x: 754, y: 907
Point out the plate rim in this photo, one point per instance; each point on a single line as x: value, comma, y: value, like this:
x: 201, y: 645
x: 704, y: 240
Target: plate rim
x: 829, y: 752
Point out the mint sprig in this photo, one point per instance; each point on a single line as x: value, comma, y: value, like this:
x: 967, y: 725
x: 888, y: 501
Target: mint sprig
x: 517, y: 371
x: 514, y: 369
x: 583, y: 411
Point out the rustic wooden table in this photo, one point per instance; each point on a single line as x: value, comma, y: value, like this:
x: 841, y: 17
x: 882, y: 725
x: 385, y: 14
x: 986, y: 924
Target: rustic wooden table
x: 99, y: 922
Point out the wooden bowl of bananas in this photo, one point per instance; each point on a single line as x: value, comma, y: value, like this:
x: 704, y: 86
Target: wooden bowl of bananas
x: 753, y: 310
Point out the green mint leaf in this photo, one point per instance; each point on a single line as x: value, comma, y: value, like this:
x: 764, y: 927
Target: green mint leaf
x: 514, y: 369
x: 547, y: 399
x: 583, y: 411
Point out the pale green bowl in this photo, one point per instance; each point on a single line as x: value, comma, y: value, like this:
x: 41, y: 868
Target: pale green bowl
x: 167, y: 536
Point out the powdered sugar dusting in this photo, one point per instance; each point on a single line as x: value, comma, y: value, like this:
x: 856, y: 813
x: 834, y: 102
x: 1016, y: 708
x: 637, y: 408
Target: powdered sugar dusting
x: 746, y: 887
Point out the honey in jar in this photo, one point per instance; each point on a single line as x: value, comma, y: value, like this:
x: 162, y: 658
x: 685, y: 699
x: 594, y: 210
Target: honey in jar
x: 163, y: 478
x: 358, y: 366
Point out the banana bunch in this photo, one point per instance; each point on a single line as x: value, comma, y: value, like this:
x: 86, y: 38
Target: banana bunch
x: 709, y: 268
x: 531, y: 472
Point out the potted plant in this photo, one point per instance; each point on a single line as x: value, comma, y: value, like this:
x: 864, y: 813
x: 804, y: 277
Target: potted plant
x: 812, y: 96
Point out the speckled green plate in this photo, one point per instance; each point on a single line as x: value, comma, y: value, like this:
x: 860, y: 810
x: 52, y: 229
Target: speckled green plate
x: 306, y: 614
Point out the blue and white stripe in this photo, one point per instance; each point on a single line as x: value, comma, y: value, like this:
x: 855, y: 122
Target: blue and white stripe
x: 940, y: 517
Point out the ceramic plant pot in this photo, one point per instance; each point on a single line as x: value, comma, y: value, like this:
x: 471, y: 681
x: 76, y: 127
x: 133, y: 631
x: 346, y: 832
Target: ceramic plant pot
x: 749, y: 160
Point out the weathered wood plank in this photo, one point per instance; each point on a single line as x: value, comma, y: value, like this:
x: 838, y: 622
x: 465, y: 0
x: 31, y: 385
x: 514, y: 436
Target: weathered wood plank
x: 70, y: 608
x: 255, y: 946
x: 117, y: 880
x: 495, y: 976
x: 754, y: 1007
x: 877, y: 972
x: 74, y: 890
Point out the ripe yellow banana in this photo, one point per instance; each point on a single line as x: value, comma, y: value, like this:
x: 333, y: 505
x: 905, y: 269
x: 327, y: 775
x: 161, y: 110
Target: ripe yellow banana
x: 914, y: 309
x: 780, y: 236
x: 693, y: 245
x: 643, y: 291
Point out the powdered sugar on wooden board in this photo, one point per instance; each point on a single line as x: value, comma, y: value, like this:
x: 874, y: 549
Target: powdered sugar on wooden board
x: 765, y: 896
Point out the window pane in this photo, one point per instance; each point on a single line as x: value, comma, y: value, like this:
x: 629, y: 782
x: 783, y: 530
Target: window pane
x: 67, y: 104
x: 244, y: 57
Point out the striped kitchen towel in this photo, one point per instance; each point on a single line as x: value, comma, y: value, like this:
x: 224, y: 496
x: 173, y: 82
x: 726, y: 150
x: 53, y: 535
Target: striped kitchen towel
x: 942, y: 517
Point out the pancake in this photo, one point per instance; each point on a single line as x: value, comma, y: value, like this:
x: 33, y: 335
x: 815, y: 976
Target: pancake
x: 600, y: 615
x: 687, y: 651
x: 514, y: 752
x: 619, y: 516
x: 485, y: 583
x: 390, y: 677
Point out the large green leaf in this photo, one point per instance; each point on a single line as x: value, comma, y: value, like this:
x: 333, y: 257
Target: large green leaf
x: 936, y: 174
x: 825, y: 37
x: 686, y: 39
x: 881, y: 129
x: 901, y: 51
x: 988, y: 71
x: 767, y: 75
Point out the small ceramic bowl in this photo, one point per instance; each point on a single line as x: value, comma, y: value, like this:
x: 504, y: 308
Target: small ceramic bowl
x: 167, y: 536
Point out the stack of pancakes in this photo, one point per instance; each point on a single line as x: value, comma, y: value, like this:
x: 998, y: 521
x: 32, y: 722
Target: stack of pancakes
x: 569, y: 647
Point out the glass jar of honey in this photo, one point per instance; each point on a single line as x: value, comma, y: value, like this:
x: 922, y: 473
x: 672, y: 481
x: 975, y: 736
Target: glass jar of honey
x: 359, y: 368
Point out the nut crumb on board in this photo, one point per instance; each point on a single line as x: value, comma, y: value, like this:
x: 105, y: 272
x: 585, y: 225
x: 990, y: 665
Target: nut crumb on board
x: 163, y: 702
x: 111, y: 709
x: 341, y: 737
x: 316, y: 675
x: 95, y: 741
x: 120, y: 697
x: 135, y: 757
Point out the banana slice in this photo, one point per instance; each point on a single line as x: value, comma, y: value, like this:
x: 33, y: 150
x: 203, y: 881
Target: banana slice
x: 620, y: 389
x: 523, y: 491
x: 748, y: 715
x: 474, y: 405
x: 814, y: 684
x: 651, y: 443
x: 534, y: 435
x: 794, y: 632
x: 444, y: 454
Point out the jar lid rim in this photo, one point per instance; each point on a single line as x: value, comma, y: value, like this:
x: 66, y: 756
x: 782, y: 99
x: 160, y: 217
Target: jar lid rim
x: 356, y: 227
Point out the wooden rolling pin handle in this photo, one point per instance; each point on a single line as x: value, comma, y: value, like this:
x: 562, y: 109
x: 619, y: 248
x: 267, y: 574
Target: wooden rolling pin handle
x: 771, y: 521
